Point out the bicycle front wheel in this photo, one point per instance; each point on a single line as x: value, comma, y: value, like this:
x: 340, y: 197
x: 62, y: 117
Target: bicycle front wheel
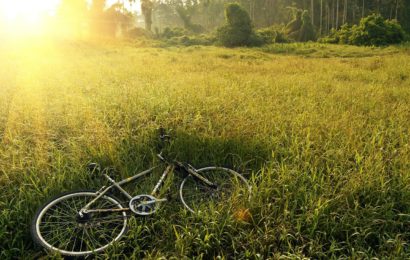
x: 58, y: 227
x: 232, y: 190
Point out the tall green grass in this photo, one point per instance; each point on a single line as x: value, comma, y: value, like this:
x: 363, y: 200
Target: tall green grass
x: 324, y: 142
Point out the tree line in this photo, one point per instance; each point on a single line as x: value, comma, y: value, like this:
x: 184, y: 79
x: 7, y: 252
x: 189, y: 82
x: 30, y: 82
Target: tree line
x: 325, y: 14
x: 200, y: 16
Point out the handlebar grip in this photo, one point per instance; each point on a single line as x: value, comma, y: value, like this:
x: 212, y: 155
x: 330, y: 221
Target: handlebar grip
x: 161, y: 132
x: 94, y: 168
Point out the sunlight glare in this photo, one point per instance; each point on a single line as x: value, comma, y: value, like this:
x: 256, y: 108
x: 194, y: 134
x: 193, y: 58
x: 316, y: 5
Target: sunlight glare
x: 26, y: 16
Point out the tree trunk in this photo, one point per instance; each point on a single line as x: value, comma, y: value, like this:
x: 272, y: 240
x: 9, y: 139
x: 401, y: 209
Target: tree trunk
x: 397, y: 9
x: 363, y: 9
x: 312, y: 8
x: 333, y: 15
x: 328, y: 17
x: 354, y: 12
x: 344, y: 12
x: 321, y: 18
x: 337, y: 14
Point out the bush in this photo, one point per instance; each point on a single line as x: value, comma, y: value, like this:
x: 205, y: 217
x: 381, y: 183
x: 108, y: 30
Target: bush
x: 372, y: 30
x: 406, y: 37
x: 341, y: 36
x: 281, y: 37
x: 267, y: 35
x: 272, y: 34
x: 192, y: 40
x: 180, y: 36
x: 238, y: 30
x: 169, y: 33
x: 138, y: 32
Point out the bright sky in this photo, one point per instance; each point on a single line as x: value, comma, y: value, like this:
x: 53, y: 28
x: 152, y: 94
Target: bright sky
x: 29, y: 15
x: 28, y: 10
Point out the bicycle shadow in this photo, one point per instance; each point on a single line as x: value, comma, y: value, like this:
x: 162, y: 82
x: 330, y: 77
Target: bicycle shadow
x: 239, y: 153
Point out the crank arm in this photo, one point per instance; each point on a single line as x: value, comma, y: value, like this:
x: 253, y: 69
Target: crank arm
x: 151, y: 202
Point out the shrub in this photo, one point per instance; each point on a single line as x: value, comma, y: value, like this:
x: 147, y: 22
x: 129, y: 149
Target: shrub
x: 273, y: 34
x: 192, y: 40
x: 138, y: 32
x: 267, y: 35
x: 238, y: 30
x: 372, y: 30
x: 281, y: 37
x: 341, y: 36
x: 173, y: 32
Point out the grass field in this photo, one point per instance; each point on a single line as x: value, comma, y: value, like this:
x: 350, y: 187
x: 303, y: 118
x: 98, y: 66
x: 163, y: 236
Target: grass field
x: 321, y: 131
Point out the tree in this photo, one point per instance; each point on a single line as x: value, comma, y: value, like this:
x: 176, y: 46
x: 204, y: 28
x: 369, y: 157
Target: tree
x: 307, y: 30
x: 146, y: 8
x: 238, y: 30
x: 295, y: 24
x: 185, y: 15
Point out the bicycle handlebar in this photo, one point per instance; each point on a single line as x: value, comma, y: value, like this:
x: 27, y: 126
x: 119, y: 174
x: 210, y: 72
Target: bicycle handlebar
x: 162, y: 135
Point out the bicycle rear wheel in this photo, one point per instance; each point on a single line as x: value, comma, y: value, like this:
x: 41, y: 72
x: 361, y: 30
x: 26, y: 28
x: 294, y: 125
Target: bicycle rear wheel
x: 232, y: 191
x: 58, y: 227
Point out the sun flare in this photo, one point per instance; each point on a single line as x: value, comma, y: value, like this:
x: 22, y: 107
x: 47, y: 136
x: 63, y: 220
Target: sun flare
x: 26, y: 16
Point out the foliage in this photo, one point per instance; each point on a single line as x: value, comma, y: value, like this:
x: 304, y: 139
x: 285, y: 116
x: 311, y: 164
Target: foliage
x: 320, y: 50
x: 294, y: 25
x: 173, y: 32
x: 146, y: 9
x: 181, y: 36
x: 328, y: 162
x: 238, y: 30
x: 189, y: 40
x: 307, y: 30
x: 341, y: 36
x: 301, y: 28
x: 188, y: 24
x: 109, y: 22
x: 207, y: 15
x: 372, y: 30
x: 272, y: 34
x: 138, y: 32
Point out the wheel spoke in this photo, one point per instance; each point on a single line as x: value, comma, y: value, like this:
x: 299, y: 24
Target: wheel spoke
x: 197, y: 195
x: 61, y: 228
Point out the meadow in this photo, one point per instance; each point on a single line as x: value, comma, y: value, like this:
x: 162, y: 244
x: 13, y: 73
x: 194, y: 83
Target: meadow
x: 322, y: 132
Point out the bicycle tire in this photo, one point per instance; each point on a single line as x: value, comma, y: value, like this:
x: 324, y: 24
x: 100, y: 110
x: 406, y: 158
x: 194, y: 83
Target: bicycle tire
x: 196, y: 196
x: 38, y: 233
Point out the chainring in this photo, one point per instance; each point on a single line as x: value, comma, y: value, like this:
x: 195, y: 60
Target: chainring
x: 143, y: 205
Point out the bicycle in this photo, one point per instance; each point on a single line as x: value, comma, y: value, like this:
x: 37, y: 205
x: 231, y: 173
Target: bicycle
x: 82, y: 223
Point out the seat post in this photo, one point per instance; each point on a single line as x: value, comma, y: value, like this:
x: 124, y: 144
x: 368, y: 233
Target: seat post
x: 161, y: 180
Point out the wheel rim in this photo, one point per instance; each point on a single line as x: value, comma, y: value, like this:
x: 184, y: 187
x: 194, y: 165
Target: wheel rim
x: 60, y: 229
x: 208, y: 198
